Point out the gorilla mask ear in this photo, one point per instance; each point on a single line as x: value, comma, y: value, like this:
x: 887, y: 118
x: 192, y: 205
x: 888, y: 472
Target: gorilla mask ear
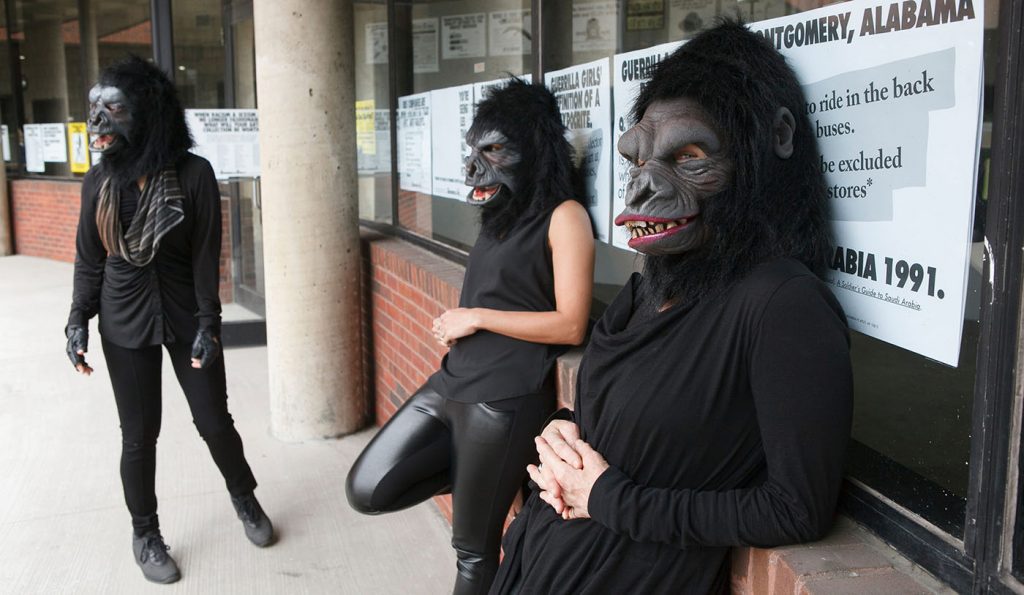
x: 783, y: 129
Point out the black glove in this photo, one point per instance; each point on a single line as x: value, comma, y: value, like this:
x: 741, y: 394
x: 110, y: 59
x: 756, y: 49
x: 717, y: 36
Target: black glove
x: 206, y: 348
x: 78, y: 340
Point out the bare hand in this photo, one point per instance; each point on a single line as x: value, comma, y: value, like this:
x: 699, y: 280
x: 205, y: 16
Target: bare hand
x: 575, y: 484
x: 560, y: 434
x: 455, y: 324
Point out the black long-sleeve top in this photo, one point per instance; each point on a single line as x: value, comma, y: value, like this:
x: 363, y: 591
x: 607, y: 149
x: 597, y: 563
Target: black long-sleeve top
x: 725, y: 424
x: 177, y: 292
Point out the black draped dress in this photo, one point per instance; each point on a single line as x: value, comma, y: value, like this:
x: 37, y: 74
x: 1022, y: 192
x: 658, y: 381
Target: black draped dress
x: 725, y: 424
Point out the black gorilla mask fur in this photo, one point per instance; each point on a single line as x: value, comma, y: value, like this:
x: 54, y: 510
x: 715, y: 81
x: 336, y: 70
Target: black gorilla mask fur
x: 722, y: 152
x: 136, y: 120
x: 521, y: 162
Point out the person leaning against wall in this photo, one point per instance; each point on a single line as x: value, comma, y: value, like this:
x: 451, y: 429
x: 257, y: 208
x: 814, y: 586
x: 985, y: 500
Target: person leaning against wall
x: 147, y: 262
x: 526, y: 296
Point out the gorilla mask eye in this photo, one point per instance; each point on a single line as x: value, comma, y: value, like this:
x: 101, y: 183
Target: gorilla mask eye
x: 494, y: 147
x: 688, y: 152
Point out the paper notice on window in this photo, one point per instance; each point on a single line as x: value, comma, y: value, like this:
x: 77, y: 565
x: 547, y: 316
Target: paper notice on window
x: 509, y: 33
x: 584, y: 98
x: 78, y: 147
x: 34, y: 148
x: 55, y: 144
x: 593, y: 26
x: 893, y: 96
x: 451, y: 116
x: 424, y: 46
x: 463, y: 36
x: 228, y: 139
x: 6, y: 138
x: 414, y: 167
x: 376, y: 43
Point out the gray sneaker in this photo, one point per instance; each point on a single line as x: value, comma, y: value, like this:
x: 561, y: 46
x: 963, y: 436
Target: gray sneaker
x: 151, y: 556
x: 257, y: 526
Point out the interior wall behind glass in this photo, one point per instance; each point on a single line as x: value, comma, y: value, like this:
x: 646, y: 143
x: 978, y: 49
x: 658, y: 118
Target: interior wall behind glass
x: 199, y: 53
x: 373, y: 110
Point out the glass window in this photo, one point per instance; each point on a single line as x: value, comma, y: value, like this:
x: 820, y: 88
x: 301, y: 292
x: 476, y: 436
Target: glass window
x: 373, y: 110
x: 444, y: 49
x: 199, y: 53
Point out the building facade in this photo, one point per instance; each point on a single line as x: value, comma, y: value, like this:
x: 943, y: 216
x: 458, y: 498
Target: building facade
x: 933, y: 468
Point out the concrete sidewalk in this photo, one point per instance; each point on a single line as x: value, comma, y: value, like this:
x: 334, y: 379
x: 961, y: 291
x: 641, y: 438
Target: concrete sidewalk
x: 63, y: 524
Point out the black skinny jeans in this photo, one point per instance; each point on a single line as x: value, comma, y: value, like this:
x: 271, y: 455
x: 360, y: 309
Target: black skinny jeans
x: 477, y: 451
x: 135, y: 376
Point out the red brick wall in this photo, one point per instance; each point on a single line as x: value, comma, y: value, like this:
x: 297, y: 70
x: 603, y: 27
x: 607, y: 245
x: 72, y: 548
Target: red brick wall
x: 45, y: 214
x: 407, y: 287
x: 45, y: 217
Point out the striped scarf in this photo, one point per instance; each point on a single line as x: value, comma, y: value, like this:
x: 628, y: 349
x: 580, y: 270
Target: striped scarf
x: 161, y: 207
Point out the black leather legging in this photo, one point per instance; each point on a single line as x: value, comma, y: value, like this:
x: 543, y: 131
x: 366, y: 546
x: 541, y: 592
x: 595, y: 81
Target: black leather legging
x: 135, y: 376
x: 477, y: 451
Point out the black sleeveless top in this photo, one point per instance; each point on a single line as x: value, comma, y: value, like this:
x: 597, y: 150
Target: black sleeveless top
x: 515, y: 275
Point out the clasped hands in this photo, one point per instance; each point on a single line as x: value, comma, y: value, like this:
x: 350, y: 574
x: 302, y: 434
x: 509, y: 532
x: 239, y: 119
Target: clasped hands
x: 568, y: 469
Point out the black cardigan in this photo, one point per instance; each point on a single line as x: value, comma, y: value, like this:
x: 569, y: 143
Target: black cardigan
x: 174, y: 295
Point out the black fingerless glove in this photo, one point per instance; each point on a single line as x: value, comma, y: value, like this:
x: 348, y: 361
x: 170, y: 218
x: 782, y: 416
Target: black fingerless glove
x: 206, y: 348
x: 78, y: 340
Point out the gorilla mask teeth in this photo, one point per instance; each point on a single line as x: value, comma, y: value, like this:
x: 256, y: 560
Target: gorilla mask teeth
x: 640, y: 229
x: 484, y: 193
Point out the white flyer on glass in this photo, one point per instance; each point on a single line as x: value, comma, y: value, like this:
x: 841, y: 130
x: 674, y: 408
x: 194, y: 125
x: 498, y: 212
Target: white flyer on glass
x: 376, y: 43
x: 894, y: 95
x: 508, y: 33
x: 34, y: 148
x: 464, y: 36
x: 413, y: 134
x: 55, y: 143
x: 5, y: 133
x: 228, y: 139
x: 451, y: 116
x: 584, y: 98
x: 424, y: 45
x: 593, y: 25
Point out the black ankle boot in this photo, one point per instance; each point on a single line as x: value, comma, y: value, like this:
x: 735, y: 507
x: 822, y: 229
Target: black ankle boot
x: 257, y: 526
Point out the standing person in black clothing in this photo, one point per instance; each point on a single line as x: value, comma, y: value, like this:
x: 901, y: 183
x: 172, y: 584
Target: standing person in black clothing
x: 526, y: 295
x: 147, y: 261
x: 715, y: 396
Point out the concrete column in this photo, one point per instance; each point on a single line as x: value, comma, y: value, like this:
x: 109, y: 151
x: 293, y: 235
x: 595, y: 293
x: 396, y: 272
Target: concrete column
x: 90, y: 44
x: 46, y: 72
x: 304, y: 78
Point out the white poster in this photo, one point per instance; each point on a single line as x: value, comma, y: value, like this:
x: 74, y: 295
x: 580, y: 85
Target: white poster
x: 34, y: 148
x: 228, y: 139
x: 509, y: 33
x: 424, y: 46
x: 451, y: 116
x: 414, y: 143
x: 687, y: 18
x: 593, y: 26
x: 894, y: 95
x: 6, y: 137
x: 376, y: 43
x: 55, y: 143
x: 463, y: 36
x: 584, y: 98
x: 631, y: 70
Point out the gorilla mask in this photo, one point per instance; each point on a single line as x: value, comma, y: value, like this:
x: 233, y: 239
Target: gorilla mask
x: 724, y: 176
x: 110, y: 119
x: 136, y: 121
x: 678, y: 161
x: 520, y: 162
x: 491, y: 165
